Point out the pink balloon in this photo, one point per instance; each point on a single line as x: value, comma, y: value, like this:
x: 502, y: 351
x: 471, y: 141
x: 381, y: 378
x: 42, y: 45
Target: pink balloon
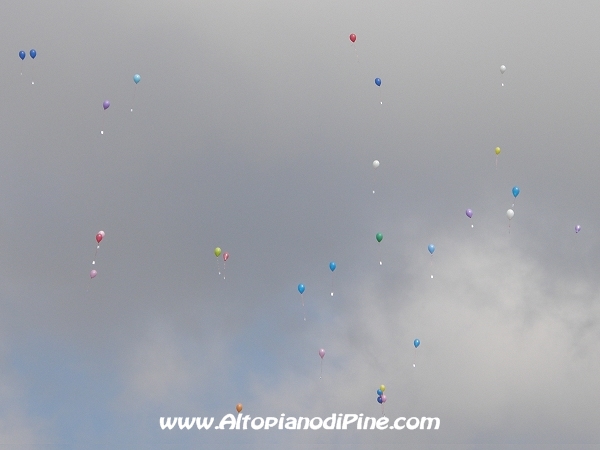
x: 225, y: 256
x: 383, y: 398
x: 98, y: 238
x: 93, y: 273
x: 322, y: 353
x: 101, y: 232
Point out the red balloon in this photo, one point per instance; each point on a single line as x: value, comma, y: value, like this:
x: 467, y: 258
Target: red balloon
x: 353, y: 37
x: 98, y: 237
x: 225, y: 256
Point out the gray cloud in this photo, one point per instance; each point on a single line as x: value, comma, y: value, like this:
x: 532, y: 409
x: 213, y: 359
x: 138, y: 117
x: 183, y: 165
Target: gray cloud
x: 254, y: 129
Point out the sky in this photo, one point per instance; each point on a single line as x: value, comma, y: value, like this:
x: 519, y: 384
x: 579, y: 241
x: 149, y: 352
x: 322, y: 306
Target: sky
x: 254, y: 129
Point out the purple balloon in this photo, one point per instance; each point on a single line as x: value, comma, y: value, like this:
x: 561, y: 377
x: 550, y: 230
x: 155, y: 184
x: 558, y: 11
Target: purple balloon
x: 469, y: 213
x: 93, y: 273
x: 383, y: 398
x: 322, y: 353
x: 106, y: 104
x: 577, y: 229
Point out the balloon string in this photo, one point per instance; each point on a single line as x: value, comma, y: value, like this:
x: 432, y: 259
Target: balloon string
x: 32, y: 71
x: 218, y: 266
x: 374, y: 180
x: 321, y: 368
x: 356, y: 52
x: 303, y: 309
x: 103, y: 118
x: 95, y: 253
x: 332, y: 284
x: 21, y: 67
x: 133, y: 101
x: 224, y: 262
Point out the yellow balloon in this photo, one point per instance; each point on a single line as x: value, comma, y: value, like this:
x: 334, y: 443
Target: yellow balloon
x: 497, y: 150
x: 382, y: 387
x: 217, y: 252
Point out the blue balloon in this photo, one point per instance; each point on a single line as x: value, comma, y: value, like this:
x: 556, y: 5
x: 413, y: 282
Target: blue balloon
x: 379, y: 392
x: 378, y: 81
x: 332, y: 266
x: 22, y: 54
x: 137, y: 78
x: 379, y: 400
x: 417, y: 343
x: 431, y: 248
x: 32, y: 53
x: 516, y: 191
x: 301, y: 288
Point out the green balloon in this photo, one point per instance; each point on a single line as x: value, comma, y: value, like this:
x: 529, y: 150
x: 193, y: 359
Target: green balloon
x: 379, y: 237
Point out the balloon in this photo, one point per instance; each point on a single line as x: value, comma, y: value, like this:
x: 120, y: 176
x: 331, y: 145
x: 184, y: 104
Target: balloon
x: 353, y: 37
x: 22, y: 55
x: 379, y: 399
x: 106, y: 104
x: 379, y: 237
x: 417, y: 343
x: 238, y: 407
x: 382, y: 387
x: 322, y: 353
x: 378, y: 81
x: 99, y: 238
x: 375, y: 164
x: 510, y: 214
x: 301, y: 288
x: 502, y: 68
x: 516, y: 191
x: 332, y: 266
x: 93, y: 273
x: 217, y: 252
x: 379, y: 392
x: 137, y: 78
x: 225, y: 256
x: 469, y: 213
x: 497, y: 150
x: 431, y: 248
x: 577, y: 229
x: 101, y: 232
x: 383, y: 399
x: 32, y: 53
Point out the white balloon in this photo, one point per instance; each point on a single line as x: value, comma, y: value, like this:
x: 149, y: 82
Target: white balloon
x: 375, y: 164
x: 502, y: 68
x: 510, y: 214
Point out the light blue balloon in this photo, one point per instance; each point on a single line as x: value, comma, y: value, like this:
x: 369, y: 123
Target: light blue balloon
x: 431, y: 248
x: 301, y: 288
x: 379, y: 392
x: 378, y: 81
x: 137, y: 78
x: 417, y: 343
x: 332, y: 266
x: 516, y: 191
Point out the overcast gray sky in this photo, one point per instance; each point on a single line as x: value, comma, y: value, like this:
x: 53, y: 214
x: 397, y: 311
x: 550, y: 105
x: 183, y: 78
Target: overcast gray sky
x: 254, y: 129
